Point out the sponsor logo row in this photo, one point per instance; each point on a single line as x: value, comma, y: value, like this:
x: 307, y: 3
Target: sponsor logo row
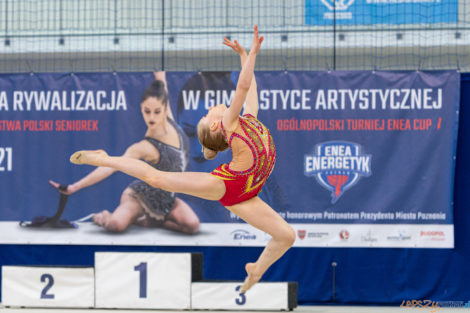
x: 369, y: 236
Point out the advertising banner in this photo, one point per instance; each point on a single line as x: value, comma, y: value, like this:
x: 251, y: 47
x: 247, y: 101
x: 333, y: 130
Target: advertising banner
x: 373, y: 12
x: 364, y: 159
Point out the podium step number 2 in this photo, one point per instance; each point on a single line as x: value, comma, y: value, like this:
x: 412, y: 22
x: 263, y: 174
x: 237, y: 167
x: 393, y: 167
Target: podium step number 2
x: 143, y: 280
x: 68, y: 287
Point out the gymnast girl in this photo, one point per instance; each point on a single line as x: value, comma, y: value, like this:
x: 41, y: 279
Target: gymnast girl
x: 236, y: 184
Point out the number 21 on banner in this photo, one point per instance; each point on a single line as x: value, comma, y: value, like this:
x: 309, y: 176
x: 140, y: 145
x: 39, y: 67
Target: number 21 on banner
x: 6, y: 159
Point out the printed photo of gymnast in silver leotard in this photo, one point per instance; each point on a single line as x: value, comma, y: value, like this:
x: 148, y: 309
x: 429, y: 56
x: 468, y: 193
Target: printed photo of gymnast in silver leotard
x: 165, y: 146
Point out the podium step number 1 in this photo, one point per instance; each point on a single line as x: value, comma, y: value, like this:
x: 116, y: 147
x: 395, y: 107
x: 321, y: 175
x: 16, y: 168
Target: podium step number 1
x: 68, y: 287
x: 143, y: 280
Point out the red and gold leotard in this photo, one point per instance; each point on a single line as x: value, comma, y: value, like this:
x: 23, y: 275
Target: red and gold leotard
x: 244, y: 185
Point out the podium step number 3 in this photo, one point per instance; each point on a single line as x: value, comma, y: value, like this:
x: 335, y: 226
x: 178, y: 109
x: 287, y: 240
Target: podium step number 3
x: 227, y: 296
x: 68, y: 287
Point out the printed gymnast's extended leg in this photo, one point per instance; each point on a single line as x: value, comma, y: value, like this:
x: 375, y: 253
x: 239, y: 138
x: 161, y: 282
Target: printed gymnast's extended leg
x: 124, y: 215
x: 259, y: 214
x: 182, y: 218
x: 198, y: 184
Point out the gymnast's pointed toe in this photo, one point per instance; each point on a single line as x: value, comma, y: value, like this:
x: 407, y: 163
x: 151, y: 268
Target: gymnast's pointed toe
x: 77, y: 157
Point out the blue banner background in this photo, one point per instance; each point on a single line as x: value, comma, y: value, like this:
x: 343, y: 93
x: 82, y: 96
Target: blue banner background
x: 411, y: 170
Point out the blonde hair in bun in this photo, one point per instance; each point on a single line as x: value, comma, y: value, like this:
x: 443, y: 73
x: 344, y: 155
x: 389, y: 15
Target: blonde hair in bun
x: 209, y: 154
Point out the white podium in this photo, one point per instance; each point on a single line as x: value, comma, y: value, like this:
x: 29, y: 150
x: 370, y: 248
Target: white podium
x: 68, y: 287
x: 227, y: 296
x: 143, y: 280
x: 138, y: 280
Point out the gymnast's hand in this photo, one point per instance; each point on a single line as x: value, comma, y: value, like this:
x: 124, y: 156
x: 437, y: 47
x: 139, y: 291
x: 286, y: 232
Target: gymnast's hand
x: 257, y: 40
x: 235, y: 46
x: 65, y: 189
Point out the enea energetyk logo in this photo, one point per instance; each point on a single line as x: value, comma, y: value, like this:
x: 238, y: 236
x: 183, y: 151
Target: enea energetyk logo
x: 340, y: 5
x: 337, y: 166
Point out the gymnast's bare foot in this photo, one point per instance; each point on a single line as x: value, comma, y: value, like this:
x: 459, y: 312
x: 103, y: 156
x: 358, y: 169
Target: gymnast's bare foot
x: 252, y: 278
x: 91, y: 157
x: 101, y: 218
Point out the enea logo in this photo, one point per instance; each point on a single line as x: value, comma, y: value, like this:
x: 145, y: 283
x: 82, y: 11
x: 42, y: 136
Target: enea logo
x: 337, y: 9
x: 337, y: 166
x: 241, y: 234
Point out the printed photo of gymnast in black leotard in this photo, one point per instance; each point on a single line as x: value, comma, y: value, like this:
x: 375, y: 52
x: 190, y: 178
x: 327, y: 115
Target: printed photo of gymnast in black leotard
x: 165, y: 147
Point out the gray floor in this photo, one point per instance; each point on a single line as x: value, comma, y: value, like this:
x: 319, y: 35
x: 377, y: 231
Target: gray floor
x: 301, y: 309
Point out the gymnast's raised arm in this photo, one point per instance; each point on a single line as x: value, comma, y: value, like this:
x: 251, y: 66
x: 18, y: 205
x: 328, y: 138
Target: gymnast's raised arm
x: 251, y: 105
x: 230, y: 118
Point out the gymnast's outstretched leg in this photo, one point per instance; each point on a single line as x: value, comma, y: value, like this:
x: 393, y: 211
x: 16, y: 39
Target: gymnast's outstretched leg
x: 204, y: 185
x: 198, y: 184
x: 259, y: 214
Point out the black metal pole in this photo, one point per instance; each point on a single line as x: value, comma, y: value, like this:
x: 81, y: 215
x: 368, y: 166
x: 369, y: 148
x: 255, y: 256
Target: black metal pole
x: 6, y: 42
x: 115, y: 19
x: 6, y: 18
x: 61, y: 23
x: 226, y: 13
